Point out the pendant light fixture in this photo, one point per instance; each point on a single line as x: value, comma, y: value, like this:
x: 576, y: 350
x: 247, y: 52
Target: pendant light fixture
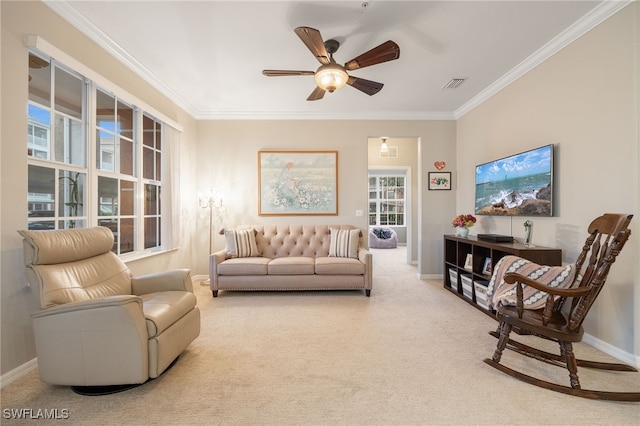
x: 383, y: 147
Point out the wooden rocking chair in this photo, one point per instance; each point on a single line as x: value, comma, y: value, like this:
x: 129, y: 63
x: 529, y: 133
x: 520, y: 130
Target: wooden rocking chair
x: 607, y: 236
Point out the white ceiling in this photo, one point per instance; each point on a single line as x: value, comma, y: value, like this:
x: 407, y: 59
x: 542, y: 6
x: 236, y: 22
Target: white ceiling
x: 207, y: 56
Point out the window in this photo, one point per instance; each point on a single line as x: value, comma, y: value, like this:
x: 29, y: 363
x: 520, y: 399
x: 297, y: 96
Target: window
x: 56, y: 146
x: 386, y: 200
x: 121, y: 187
x: 116, y: 149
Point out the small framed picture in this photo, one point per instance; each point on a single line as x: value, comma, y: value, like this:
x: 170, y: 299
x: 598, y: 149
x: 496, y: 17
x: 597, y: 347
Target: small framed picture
x: 468, y: 263
x: 486, y: 269
x: 439, y: 181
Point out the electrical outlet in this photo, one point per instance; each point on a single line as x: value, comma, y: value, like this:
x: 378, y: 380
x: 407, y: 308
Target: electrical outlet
x: 359, y: 213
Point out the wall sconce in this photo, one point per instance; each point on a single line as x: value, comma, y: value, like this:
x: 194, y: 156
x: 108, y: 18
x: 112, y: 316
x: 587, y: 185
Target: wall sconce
x: 384, y: 148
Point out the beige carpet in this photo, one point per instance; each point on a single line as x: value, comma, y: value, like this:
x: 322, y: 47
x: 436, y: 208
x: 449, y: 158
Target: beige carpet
x: 411, y: 354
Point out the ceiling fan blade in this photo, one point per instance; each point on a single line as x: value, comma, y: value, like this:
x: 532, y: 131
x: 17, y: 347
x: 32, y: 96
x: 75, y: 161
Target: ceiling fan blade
x: 317, y: 94
x: 313, y: 40
x: 387, y: 51
x: 281, y: 73
x: 367, y: 86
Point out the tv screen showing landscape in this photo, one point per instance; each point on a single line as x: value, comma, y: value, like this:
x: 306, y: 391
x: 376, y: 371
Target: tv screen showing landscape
x: 519, y: 185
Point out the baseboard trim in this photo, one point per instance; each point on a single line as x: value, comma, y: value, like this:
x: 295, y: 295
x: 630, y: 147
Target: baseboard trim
x: 18, y: 372
x: 429, y: 276
x: 609, y: 349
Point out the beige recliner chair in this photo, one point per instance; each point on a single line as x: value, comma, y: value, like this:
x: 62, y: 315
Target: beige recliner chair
x: 98, y: 325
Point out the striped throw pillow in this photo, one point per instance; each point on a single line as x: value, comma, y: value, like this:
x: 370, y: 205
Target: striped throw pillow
x: 344, y: 243
x: 241, y: 243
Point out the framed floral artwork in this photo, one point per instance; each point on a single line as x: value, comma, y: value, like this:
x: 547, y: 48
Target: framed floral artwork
x: 292, y: 183
x: 439, y: 181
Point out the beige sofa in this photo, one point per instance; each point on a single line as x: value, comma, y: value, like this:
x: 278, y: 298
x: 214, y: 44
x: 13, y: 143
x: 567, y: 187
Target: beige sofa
x: 293, y: 257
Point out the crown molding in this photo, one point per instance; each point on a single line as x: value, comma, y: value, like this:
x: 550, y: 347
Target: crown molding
x: 72, y: 15
x: 595, y: 17
x: 379, y: 116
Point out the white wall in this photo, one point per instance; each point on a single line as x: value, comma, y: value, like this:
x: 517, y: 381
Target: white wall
x: 585, y: 101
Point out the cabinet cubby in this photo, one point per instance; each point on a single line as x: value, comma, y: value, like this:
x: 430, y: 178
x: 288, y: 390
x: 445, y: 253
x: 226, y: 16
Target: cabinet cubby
x: 457, y: 249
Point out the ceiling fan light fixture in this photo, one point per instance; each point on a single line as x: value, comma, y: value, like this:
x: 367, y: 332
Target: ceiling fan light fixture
x: 331, y: 77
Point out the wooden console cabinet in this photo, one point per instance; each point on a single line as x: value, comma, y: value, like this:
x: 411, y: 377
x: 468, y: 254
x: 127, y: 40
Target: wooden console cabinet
x: 468, y: 262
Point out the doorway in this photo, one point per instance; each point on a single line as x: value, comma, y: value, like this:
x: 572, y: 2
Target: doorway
x: 387, y: 207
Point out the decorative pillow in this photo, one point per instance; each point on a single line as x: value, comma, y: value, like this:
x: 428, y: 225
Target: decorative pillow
x: 241, y: 242
x: 344, y: 243
x: 500, y: 292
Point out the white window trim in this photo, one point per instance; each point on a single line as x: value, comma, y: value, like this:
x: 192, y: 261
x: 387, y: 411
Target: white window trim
x: 170, y: 179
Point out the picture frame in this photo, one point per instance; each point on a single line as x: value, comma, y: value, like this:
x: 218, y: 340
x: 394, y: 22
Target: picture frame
x: 487, y: 268
x: 468, y: 262
x: 439, y: 181
x: 297, y: 183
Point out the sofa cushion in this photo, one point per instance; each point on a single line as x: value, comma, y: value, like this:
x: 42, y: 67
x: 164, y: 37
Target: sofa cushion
x: 244, y: 266
x: 344, y: 243
x: 294, y: 265
x: 241, y: 242
x: 164, y: 308
x: 339, y: 266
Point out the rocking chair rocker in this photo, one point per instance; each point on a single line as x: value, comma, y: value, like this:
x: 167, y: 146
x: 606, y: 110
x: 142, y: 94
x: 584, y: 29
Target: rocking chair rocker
x: 607, y: 236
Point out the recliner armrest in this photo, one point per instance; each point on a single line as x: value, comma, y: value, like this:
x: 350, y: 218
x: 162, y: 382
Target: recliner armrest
x: 175, y: 280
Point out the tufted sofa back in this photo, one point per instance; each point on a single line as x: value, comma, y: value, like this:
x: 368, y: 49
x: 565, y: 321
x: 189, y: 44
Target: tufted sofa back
x: 295, y: 240
x: 71, y: 265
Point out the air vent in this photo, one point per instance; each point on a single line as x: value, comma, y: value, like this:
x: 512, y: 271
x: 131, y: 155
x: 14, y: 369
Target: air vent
x: 454, y: 83
x: 391, y: 152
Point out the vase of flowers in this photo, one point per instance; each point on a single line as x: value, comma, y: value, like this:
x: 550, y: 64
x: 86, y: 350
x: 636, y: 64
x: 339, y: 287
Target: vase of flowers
x: 462, y: 223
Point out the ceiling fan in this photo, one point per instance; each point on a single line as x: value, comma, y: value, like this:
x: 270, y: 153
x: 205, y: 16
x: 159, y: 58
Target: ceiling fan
x: 331, y: 76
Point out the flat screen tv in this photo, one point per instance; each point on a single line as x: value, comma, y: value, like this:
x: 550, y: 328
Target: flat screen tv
x: 518, y: 185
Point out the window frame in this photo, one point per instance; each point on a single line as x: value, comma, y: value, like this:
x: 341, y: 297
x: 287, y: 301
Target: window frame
x: 91, y: 165
x: 379, y: 200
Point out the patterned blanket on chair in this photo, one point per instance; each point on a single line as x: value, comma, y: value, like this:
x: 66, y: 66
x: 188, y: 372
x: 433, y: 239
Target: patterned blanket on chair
x: 502, y: 293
